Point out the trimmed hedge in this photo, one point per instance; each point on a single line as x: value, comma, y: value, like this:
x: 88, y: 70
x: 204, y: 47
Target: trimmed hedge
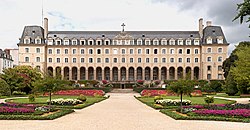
x: 32, y: 117
x: 176, y: 116
x: 139, y: 89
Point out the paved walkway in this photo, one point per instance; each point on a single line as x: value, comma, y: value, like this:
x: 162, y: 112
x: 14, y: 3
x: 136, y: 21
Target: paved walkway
x: 238, y: 100
x: 119, y: 112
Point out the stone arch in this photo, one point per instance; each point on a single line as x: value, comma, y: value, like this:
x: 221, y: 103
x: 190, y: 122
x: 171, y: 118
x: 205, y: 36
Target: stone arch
x: 131, y: 74
x: 98, y: 73
x: 107, y: 73
x: 147, y: 73
x: 58, y: 71
x: 123, y: 73
x: 188, y: 72
x: 172, y: 73
x: 179, y: 73
x: 74, y: 73
x: 82, y: 73
x: 196, y: 72
x: 155, y: 73
x: 91, y: 73
x: 66, y: 73
x: 139, y: 73
x: 163, y: 73
x: 115, y: 73
x: 50, y: 71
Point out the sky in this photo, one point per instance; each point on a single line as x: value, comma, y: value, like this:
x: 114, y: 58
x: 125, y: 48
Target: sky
x: 145, y: 15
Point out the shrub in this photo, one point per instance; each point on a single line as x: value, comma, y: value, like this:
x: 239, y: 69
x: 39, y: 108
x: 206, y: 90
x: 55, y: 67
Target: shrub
x: 170, y: 102
x: 18, y: 93
x: 157, y: 82
x: 209, y: 99
x: 157, y: 98
x: 82, y: 98
x: 4, y: 88
x: 105, y: 82
x: 31, y: 98
x: 61, y: 101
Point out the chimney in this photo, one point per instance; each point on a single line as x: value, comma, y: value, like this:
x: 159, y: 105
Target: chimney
x: 45, y: 26
x: 209, y: 23
x: 201, y: 27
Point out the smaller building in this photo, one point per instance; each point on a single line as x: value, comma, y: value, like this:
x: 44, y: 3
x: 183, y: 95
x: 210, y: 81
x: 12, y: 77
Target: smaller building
x: 14, y: 55
x: 6, y: 60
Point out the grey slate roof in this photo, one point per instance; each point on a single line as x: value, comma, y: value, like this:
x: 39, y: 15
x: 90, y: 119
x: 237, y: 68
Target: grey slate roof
x: 32, y: 32
x: 134, y: 34
x: 213, y: 32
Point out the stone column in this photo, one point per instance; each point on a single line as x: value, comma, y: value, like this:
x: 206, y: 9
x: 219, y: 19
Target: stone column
x: 159, y: 74
x: 62, y: 73
x: 103, y: 76
x: 119, y: 75
x: 176, y: 74
x: 111, y: 75
x: 127, y: 73
x: 192, y: 74
x: 86, y: 74
x: 151, y: 74
x: 167, y: 74
x: 135, y: 74
x: 143, y: 74
x: 70, y: 73
x: 95, y: 74
x: 78, y: 73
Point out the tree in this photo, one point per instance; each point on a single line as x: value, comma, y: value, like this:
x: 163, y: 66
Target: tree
x: 181, y: 87
x: 21, y: 77
x: 50, y: 84
x: 241, y: 71
x: 244, y: 11
x: 4, y: 88
x: 230, y: 86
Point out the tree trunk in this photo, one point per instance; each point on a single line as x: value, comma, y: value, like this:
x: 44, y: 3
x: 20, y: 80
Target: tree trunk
x: 181, y: 102
x: 49, y: 100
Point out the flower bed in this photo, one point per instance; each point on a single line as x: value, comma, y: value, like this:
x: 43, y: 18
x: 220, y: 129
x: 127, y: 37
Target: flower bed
x: 196, y: 93
x: 8, y: 110
x: 170, y: 102
x: 156, y: 93
x: 61, y: 101
x: 83, y: 92
x: 236, y: 112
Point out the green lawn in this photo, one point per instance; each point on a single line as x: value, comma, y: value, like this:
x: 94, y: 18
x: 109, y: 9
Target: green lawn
x: 194, y: 100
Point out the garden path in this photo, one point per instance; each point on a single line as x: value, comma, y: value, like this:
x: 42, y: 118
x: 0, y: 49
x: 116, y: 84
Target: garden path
x: 238, y: 100
x: 119, y: 112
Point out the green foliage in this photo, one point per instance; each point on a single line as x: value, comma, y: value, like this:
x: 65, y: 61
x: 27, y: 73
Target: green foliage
x: 4, y: 88
x: 241, y: 71
x: 216, y: 85
x: 230, y: 86
x: 82, y: 98
x: 182, y: 86
x: 18, y: 93
x: 31, y: 98
x: 209, y: 99
x: 243, y: 9
x: 157, y: 98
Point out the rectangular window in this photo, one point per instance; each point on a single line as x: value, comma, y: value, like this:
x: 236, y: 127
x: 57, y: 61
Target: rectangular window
x: 123, y: 60
x: 131, y: 60
x: 90, y: 51
x: 27, y: 59
x: 131, y: 51
x: 115, y: 51
x: 74, y: 60
x: 50, y: 60
x: 163, y: 60
x: 219, y: 50
x: 196, y: 60
x: 58, y: 60
x: 219, y: 68
x: 27, y: 50
x: 50, y: 51
x: 208, y: 76
x: 139, y: 51
x: 139, y: 60
x: 147, y: 51
x: 171, y: 51
x: 155, y: 60
x: 209, y: 59
x: 209, y: 50
x: 180, y: 51
x: 66, y: 42
x: 172, y: 60
x: 74, y: 42
x: 57, y: 51
x: 188, y: 60
x: 147, y: 60
x: 74, y: 51
x: 123, y: 51
x: 180, y: 60
x: 219, y: 76
x: 107, y: 60
x: 98, y: 60
x: 196, y: 51
x: 155, y: 51
x: 82, y: 51
x: 90, y: 60
x: 106, y: 51
x: 37, y: 59
x: 188, y: 51
x: 208, y: 68
x: 66, y: 51
x: 115, y: 60
x: 82, y: 60
x: 38, y: 50
x: 163, y: 51
x: 66, y: 60
x: 82, y: 42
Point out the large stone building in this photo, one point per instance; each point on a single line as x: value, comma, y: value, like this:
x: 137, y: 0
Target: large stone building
x: 6, y: 60
x: 125, y: 55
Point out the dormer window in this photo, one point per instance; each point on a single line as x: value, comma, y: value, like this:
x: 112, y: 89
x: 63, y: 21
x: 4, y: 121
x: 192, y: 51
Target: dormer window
x: 147, y: 42
x: 50, y: 41
x: 90, y: 42
x: 106, y: 42
x: 66, y: 42
x: 164, y: 42
x: 38, y: 41
x: 99, y: 42
x: 27, y: 41
x: 74, y: 42
x: 58, y: 42
x: 220, y: 41
x: 155, y: 42
x: 139, y: 42
x: 196, y: 42
x: 209, y: 41
x: 172, y: 42
x: 188, y: 42
x: 180, y: 42
x: 82, y: 42
x: 131, y: 42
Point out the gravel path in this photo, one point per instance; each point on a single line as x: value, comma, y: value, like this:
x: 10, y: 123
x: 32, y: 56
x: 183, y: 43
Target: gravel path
x: 119, y: 112
x: 238, y: 100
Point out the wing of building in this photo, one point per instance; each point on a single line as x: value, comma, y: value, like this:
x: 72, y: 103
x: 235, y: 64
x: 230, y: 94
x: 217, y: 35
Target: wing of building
x: 125, y: 55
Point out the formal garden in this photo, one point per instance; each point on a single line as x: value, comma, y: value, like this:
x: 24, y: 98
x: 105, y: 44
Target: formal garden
x: 34, y: 96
